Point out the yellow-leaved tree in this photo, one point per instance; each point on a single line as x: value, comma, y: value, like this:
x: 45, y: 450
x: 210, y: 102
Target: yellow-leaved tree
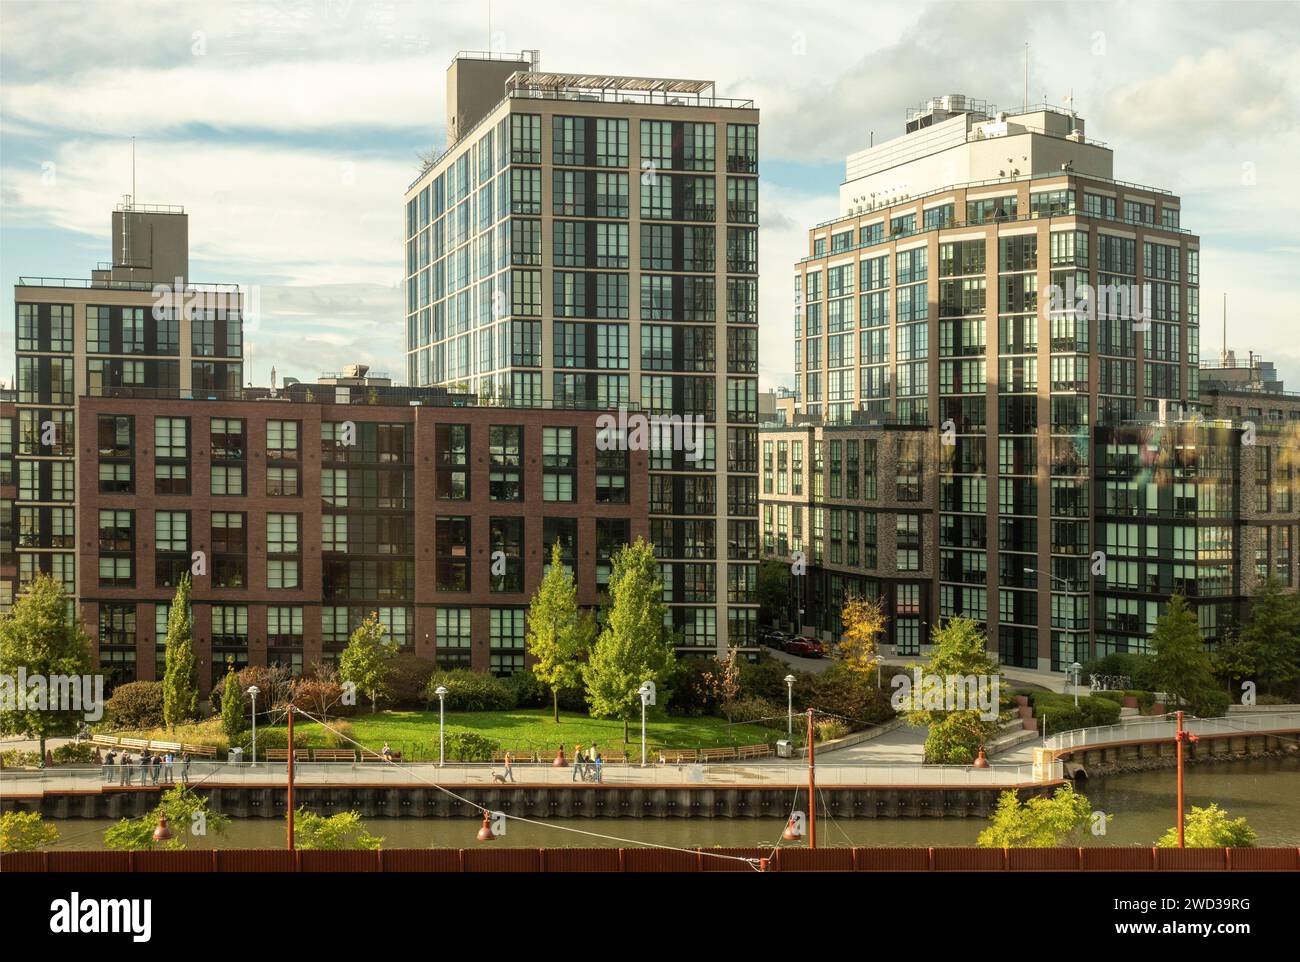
x: 863, y: 623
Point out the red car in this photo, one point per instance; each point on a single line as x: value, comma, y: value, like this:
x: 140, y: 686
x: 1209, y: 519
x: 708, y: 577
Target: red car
x: 805, y: 647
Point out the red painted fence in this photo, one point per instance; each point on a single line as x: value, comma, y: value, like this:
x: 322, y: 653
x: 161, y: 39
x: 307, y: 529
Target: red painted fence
x: 791, y: 859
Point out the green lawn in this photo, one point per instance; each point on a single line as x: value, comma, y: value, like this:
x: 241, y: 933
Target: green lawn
x: 415, y: 733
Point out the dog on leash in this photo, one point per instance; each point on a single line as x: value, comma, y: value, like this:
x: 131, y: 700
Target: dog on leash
x: 499, y: 777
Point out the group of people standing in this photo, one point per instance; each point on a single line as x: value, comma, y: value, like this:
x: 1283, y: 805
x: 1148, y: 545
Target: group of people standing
x: 152, y: 768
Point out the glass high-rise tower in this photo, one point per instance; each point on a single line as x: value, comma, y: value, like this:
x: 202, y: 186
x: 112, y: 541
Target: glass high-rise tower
x: 589, y: 241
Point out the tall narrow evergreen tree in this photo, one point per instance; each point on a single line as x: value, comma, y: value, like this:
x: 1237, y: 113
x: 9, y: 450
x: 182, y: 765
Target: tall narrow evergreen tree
x: 180, y: 675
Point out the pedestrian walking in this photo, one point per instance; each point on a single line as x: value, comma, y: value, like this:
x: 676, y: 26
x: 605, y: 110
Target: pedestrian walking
x: 157, y: 768
x: 577, y: 763
x: 124, y: 764
x: 600, y: 763
x: 145, y: 765
x: 169, y: 771
x: 109, y: 761
x: 510, y: 761
x: 387, y: 753
x: 185, y: 768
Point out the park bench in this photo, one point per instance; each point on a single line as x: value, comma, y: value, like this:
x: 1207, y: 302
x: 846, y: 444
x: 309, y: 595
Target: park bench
x: 199, y: 751
x: 282, y: 755
x: 172, y: 747
x: 613, y: 757
x: 105, y: 741
x: 521, y: 757
x: 140, y: 744
x: 676, y: 756
x: 369, y: 756
x: 333, y: 755
x: 753, y: 751
x: 717, y: 754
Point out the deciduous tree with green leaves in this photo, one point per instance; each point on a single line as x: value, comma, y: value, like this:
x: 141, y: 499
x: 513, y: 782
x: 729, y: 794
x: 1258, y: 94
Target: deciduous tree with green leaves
x: 334, y: 832
x: 955, y: 736
x: 1272, y: 634
x: 365, y: 660
x: 633, y: 647
x: 180, y: 675
x: 187, y: 814
x: 1041, y: 822
x: 42, y: 636
x: 1210, y: 828
x: 559, y: 638
x: 1180, y: 663
x: 25, y: 832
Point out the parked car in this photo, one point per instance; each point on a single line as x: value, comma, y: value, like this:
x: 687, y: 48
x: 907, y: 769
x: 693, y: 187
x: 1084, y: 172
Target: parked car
x: 805, y: 647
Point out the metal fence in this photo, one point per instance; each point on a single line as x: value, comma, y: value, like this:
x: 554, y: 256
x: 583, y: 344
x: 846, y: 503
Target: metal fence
x: 785, y: 859
x: 1164, y: 728
x: 272, y: 774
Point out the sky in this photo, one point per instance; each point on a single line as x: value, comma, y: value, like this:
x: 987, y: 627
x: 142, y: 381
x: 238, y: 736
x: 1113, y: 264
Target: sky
x: 289, y: 132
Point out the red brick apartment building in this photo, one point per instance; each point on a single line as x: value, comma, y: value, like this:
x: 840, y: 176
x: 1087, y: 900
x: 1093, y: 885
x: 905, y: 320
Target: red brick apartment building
x: 440, y: 516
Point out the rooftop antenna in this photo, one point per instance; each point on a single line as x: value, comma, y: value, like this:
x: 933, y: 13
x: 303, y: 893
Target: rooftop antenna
x: 133, y: 171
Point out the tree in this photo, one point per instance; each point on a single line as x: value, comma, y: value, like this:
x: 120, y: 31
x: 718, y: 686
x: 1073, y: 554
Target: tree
x: 773, y: 591
x: 1234, y: 659
x: 45, y: 660
x: 862, y: 621
x: 187, y: 813
x: 365, y: 660
x: 25, y: 832
x: 633, y: 647
x: 1272, y: 633
x: 319, y: 692
x: 557, y: 637
x: 232, y: 707
x: 1210, y: 828
x: 335, y: 832
x: 1040, y: 822
x: 1181, y: 665
x: 722, y: 680
x: 955, y: 735
x: 181, y: 676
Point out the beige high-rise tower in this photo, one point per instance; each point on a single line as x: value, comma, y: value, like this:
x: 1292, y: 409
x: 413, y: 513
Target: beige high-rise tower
x: 591, y: 241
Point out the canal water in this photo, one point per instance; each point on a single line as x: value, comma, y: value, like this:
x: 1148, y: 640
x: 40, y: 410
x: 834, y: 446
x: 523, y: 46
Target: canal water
x: 1265, y: 791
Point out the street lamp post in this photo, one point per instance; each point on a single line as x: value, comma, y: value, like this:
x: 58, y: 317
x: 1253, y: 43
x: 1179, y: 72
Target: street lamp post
x: 1069, y: 585
x: 1076, y: 668
x: 441, y: 692
x: 645, y: 691
x: 253, y: 692
x: 789, y: 705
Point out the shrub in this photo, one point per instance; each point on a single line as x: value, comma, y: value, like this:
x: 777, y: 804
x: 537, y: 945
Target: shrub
x: 838, y: 691
x: 694, y: 688
x: 74, y: 753
x: 19, y: 759
x: 1063, y: 716
x: 470, y: 746
x: 274, y: 685
x: 137, y: 704
x: 758, y: 711
x: 829, y: 729
x: 1211, y: 703
x: 765, y: 678
x: 1139, y: 668
x: 471, y: 691
x: 408, y: 674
